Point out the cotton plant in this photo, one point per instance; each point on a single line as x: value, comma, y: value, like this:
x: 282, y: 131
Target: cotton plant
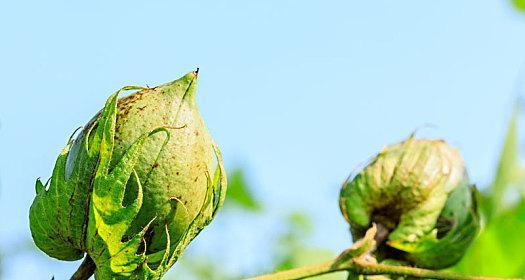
x: 143, y: 177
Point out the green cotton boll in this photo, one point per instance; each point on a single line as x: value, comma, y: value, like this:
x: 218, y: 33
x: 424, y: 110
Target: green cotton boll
x: 138, y: 183
x: 419, y: 190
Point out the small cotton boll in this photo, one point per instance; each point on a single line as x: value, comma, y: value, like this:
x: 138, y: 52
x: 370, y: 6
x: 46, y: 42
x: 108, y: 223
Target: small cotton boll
x: 411, y: 188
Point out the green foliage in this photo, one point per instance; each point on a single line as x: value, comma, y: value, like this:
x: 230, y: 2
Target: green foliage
x: 498, y: 250
x: 509, y: 172
x: 201, y: 267
x: 292, y: 248
x: 109, y: 219
x: 240, y: 194
x: 458, y: 224
x: 519, y: 4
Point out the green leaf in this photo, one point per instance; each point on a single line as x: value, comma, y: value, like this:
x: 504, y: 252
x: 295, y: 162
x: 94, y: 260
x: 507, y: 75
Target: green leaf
x: 49, y: 218
x: 240, y: 194
x: 498, y: 251
x: 115, y: 254
x: 58, y: 216
x: 457, y: 226
x: 110, y: 220
x: 509, y: 171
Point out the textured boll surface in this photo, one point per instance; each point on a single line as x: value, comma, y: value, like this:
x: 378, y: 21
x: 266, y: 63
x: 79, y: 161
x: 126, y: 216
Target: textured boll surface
x: 173, y: 171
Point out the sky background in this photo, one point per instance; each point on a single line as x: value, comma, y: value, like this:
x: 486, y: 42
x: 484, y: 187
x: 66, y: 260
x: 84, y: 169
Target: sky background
x: 297, y: 93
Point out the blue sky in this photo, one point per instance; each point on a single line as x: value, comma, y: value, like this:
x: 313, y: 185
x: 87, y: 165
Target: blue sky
x: 297, y: 92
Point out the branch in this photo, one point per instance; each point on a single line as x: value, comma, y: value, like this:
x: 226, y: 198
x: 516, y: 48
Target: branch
x: 362, y: 267
x: 358, y: 261
x: 299, y: 273
x: 85, y: 270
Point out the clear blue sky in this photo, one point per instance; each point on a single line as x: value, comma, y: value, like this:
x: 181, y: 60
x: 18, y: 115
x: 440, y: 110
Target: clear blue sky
x: 299, y: 93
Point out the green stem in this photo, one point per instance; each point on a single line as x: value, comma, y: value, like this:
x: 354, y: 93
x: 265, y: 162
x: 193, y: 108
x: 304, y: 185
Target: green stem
x: 299, y: 273
x: 359, y: 266
x: 376, y: 269
x: 353, y: 260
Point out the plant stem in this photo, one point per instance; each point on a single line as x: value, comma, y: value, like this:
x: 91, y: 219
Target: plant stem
x: 359, y: 266
x: 354, y: 261
x: 85, y: 270
x: 377, y: 269
x: 299, y: 273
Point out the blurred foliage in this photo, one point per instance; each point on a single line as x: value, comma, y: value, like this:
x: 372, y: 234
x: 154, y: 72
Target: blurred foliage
x: 499, y: 249
x: 239, y: 193
x: 290, y: 248
x: 509, y: 172
x: 519, y: 4
x: 202, y: 267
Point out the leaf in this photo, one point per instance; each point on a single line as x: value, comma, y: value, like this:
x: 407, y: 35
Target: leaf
x: 114, y: 254
x: 240, y: 194
x: 110, y: 220
x: 49, y: 216
x: 498, y: 251
x: 58, y: 216
x: 456, y: 228
x: 509, y: 171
